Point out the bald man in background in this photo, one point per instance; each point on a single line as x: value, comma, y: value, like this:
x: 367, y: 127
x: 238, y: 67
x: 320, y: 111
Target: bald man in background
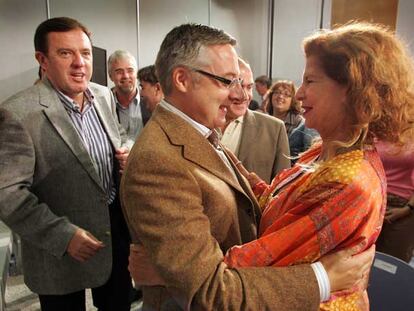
x: 258, y: 140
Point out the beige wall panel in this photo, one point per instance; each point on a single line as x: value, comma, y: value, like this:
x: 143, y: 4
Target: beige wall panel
x: 378, y: 11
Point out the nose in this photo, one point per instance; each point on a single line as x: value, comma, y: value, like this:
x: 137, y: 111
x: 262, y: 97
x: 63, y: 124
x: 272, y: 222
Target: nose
x: 238, y: 92
x: 279, y: 95
x: 125, y: 74
x: 78, y: 59
x: 300, y: 93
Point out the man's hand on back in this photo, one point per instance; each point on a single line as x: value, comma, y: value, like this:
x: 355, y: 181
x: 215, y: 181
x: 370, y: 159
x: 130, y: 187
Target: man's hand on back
x: 346, y: 270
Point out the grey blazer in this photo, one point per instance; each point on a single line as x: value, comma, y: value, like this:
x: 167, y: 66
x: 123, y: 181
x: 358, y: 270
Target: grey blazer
x: 49, y: 187
x: 264, y: 146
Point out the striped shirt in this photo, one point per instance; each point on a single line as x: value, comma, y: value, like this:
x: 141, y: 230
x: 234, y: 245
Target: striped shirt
x: 94, y: 138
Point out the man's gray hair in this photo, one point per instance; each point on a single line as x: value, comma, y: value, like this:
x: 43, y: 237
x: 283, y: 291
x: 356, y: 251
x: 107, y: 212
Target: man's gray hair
x: 118, y: 55
x: 181, y: 47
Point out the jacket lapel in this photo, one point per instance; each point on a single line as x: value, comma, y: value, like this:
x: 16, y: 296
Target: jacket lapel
x: 243, y: 182
x: 196, y: 148
x: 58, y: 117
x: 107, y: 119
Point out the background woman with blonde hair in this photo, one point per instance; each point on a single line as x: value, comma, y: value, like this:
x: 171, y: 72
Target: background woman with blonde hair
x: 357, y: 88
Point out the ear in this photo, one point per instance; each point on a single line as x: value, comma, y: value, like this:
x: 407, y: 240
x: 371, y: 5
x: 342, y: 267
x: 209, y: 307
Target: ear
x: 41, y: 59
x: 110, y: 76
x: 181, y: 79
x: 344, y: 94
x: 158, y: 89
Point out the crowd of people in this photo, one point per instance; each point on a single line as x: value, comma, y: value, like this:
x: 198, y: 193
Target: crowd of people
x: 171, y: 180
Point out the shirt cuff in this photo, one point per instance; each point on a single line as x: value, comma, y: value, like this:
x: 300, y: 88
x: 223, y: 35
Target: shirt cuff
x: 323, y: 280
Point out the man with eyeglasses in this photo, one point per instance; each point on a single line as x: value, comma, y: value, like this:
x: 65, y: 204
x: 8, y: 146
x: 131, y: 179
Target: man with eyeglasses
x: 259, y: 141
x: 186, y: 203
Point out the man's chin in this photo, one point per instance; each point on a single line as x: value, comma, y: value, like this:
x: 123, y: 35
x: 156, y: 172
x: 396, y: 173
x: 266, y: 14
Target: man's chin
x: 127, y: 90
x: 230, y: 116
x: 219, y: 122
x: 75, y: 89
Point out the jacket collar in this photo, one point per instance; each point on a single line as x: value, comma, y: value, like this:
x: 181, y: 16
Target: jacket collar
x: 247, y: 136
x: 58, y: 117
x: 197, y: 149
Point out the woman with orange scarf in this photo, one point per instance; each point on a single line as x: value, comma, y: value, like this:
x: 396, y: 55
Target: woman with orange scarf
x: 357, y: 87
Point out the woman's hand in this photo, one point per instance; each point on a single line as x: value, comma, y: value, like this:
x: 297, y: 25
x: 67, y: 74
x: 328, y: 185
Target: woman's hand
x: 393, y: 214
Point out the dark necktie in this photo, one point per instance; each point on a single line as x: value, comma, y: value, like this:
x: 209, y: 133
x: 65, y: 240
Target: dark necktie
x: 213, y: 138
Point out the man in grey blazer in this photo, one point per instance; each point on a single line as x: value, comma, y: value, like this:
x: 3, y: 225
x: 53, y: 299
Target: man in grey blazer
x: 60, y: 157
x: 258, y: 140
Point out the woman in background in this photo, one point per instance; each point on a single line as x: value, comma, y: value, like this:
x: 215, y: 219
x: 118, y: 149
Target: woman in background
x: 282, y: 104
x: 357, y: 87
x: 397, y: 235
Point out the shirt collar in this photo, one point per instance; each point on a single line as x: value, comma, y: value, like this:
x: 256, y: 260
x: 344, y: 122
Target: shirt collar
x: 70, y: 104
x: 239, y: 119
x: 236, y: 121
x: 134, y: 101
x: 293, y: 118
x: 205, y: 131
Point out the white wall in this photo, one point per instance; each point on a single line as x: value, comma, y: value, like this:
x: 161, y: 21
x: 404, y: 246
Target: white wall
x: 18, y: 21
x: 405, y: 22
x: 114, y: 26
x: 244, y: 21
x: 294, y: 20
x: 113, y: 23
x: 158, y: 17
x: 247, y: 21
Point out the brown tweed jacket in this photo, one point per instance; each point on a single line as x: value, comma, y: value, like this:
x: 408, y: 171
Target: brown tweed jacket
x: 186, y: 207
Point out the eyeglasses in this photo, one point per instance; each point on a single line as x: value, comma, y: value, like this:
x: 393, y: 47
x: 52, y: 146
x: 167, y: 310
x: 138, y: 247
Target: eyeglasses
x: 283, y: 93
x: 229, y: 83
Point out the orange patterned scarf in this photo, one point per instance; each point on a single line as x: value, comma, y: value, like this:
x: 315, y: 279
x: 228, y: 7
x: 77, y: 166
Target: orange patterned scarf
x: 310, y: 211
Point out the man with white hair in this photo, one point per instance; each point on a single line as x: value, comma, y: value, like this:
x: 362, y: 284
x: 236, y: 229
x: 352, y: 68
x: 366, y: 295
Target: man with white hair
x: 257, y: 139
x: 122, y: 69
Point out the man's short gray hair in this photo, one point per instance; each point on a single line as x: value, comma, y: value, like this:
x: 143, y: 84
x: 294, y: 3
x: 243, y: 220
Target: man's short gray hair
x: 118, y: 55
x: 181, y: 47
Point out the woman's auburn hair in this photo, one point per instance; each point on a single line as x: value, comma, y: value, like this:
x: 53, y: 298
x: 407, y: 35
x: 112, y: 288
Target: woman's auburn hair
x: 377, y: 70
